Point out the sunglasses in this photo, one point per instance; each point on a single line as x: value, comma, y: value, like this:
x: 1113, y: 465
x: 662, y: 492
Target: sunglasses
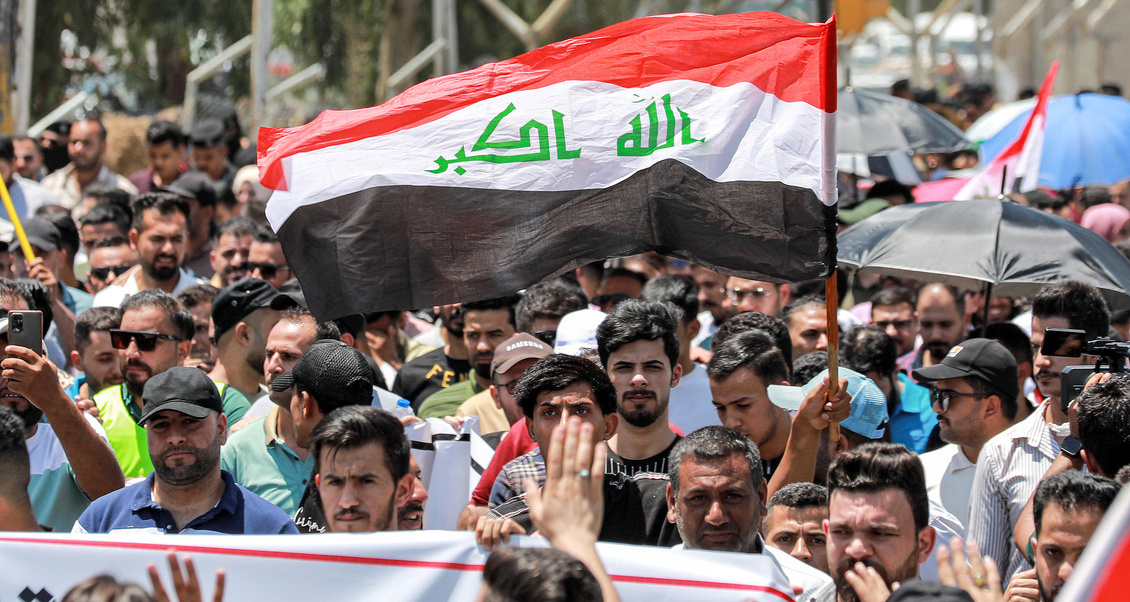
x: 146, y: 341
x: 607, y: 302
x: 549, y: 337
x: 737, y: 296
x: 266, y: 270
x: 104, y: 273
x: 942, y: 397
x: 902, y: 325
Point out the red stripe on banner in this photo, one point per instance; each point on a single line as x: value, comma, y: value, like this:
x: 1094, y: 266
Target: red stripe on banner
x: 790, y: 60
x: 703, y: 584
x: 422, y: 564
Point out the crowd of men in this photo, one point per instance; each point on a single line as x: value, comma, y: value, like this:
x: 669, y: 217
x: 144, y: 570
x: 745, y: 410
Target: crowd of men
x: 185, y: 387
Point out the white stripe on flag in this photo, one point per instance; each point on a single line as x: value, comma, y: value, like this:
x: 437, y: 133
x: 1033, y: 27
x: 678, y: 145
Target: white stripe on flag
x: 729, y: 134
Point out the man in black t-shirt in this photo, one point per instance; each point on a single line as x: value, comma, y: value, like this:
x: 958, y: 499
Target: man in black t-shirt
x: 639, y: 348
x: 559, y: 387
x: 437, y: 369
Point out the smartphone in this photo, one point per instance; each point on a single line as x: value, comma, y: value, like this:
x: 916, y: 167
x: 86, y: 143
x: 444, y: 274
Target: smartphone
x: 25, y: 328
x: 1064, y: 342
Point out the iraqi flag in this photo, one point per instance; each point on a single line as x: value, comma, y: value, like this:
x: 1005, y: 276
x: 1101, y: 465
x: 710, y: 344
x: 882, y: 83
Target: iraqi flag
x: 1102, y: 573
x: 1017, y: 167
x: 707, y: 138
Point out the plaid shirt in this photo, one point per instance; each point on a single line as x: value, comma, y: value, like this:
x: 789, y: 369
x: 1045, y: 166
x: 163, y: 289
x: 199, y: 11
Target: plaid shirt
x: 509, y: 483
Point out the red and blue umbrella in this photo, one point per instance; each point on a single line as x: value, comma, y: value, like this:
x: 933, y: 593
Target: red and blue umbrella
x: 1086, y: 141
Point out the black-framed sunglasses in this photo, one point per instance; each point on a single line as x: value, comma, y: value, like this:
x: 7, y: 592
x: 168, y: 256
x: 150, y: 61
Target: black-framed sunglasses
x: 104, y: 273
x: 146, y: 341
x: 549, y: 337
x: 266, y: 270
x: 609, y: 301
x: 942, y: 397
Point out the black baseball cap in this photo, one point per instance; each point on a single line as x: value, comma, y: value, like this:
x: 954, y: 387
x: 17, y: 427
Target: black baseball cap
x: 207, y: 132
x: 333, y: 372
x: 984, y: 358
x: 40, y: 233
x: 181, y: 389
x: 238, y: 299
x: 193, y: 185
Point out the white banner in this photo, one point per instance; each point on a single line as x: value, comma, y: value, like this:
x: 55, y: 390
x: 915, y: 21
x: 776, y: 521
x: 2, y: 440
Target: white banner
x: 451, y: 463
x: 403, y: 566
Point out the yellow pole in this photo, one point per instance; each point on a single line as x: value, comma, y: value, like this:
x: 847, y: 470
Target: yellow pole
x: 15, y: 219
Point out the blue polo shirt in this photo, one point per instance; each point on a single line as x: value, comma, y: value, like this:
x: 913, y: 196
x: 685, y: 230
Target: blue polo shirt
x: 239, y: 512
x: 913, y: 419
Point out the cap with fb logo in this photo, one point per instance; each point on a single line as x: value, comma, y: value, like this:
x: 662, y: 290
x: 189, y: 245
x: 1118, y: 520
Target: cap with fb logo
x: 522, y: 346
x: 986, y: 359
x: 868, y: 403
x: 181, y: 389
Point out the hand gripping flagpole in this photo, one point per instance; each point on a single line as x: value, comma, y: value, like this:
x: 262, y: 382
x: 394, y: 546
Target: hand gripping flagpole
x: 29, y: 255
x: 832, y: 304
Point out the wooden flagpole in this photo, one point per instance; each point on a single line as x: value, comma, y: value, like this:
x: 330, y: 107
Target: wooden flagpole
x: 832, y: 304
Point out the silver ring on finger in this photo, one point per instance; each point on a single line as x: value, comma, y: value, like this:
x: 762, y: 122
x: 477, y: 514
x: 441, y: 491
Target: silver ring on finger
x: 583, y: 473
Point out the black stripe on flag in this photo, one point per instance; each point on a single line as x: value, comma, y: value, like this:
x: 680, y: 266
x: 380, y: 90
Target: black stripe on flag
x: 406, y: 247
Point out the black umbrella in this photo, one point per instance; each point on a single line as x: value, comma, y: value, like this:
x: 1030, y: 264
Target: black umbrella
x: 879, y: 124
x: 1001, y: 246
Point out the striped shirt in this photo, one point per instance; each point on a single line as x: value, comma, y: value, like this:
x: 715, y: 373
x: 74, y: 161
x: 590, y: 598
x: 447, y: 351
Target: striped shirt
x: 1009, y: 468
x: 511, y: 482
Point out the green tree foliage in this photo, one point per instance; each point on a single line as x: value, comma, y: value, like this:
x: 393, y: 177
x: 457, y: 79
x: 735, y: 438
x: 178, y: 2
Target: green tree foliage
x: 119, y: 32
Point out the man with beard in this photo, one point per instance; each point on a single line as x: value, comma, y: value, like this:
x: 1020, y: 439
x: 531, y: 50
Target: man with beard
x: 93, y: 354
x: 437, y: 369
x: 242, y: 315
x: 892, y: 309
x: 562, y: 389
x: 361, y: 468
x: 187, y: 491
x: 941, y: 323
x: 72, y: 464
x: 410, y: 514
x: 155, y: 335
x: 743, y: 367
x: 711, y: 300
x: 486, y: 324
x: 197, y: 299
x: 330, y: 375
x: 878, y: 518
x: 159, y: 235
x: 873, y: 353
x: 231, y: 251
x: 807, y: 319
x: 974, y: 393
x: 1012, y: 463
x: 639, y: 349
x: 716, y: 497
x: 87, y: 148
x: 1068, y: 508
x: 264, y: 456
x: 744, y: 295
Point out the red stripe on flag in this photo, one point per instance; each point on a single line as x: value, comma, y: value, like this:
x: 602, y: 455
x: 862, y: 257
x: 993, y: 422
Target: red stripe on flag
x: 790, y: 60
x: 1041, y: 109
x: 1115, y: 580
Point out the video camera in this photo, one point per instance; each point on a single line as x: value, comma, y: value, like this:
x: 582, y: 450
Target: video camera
x: 1067, y: 342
